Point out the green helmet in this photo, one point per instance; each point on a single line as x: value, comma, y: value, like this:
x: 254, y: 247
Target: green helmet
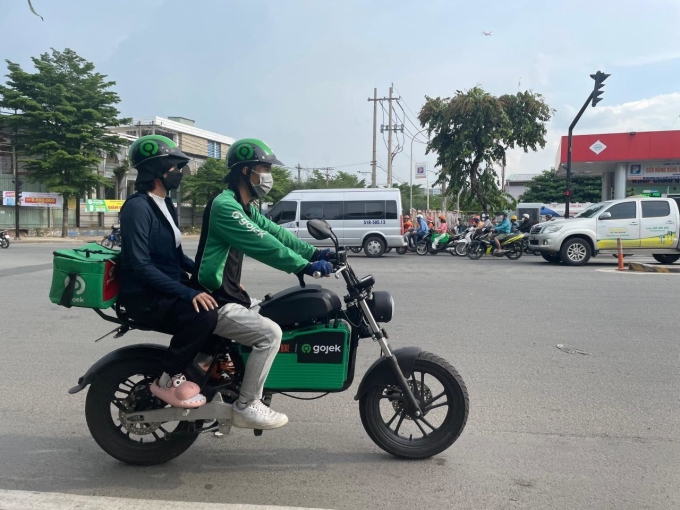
x: 504, y: 212
x: 153, y: 155
x: 250, y: 150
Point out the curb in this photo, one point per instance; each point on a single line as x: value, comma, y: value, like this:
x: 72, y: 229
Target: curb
x: 649, y: 268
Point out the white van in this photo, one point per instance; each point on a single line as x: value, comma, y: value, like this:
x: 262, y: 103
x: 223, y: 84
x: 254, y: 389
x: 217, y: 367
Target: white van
x: 368, y: 218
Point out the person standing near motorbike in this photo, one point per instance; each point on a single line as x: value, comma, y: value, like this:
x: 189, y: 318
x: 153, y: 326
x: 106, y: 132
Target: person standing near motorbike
x: 233, y: 227
x: 442, y: 232
x: 504, y: 227
x: 154, y: 286
x: 422, y: 230
x: 526, y: 224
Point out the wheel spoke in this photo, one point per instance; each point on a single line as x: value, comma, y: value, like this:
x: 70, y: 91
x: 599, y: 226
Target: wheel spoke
x: 434, y: 399
x: 158, y: 438
x: 422, y: 380
x: 120, y: 406
x: 427, y: 423
x: 415, y: 420
x: 396, y: 413
x: 401, y: 420
x: 429, y: 408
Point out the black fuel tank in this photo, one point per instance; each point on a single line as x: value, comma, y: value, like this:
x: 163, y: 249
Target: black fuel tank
x: 298, y: 306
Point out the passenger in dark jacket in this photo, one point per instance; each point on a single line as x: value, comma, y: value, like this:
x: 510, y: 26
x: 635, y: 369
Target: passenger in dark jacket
x: 154, y: 285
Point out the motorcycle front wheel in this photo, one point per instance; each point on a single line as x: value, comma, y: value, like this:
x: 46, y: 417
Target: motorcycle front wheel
x: 4, y: 243
x: 421, y: 248
x: 475, y: 250
x: 355, y: 249
x: 461, y: 249
x: 107, y: 243
x: 124, y: 387
x: 441, y: 395
x: 401, y: 250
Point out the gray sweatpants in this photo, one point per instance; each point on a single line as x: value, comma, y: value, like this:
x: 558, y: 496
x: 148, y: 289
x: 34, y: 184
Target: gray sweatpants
x: 247, y: 327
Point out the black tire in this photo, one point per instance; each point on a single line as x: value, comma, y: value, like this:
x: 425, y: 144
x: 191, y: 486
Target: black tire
x: 112, y: 438
x: 401, y: 250
x: 421, y: 248
x: 388, y: 249
x: 355, y: 249
x: 4, y: 243
x: 475, y: 250
x: 374, y: 246
x: 107, y: 243
x: 515, y: 252
x: 440, y: 437
x: 552, y: 258
x: 575, y: 252
x: 666, y: 259
x: 536, y: 253
x: 461, y: 249
x: 433, y: 252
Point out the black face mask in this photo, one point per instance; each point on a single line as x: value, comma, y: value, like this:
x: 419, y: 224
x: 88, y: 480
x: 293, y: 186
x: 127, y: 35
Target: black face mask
x: 172, y: 180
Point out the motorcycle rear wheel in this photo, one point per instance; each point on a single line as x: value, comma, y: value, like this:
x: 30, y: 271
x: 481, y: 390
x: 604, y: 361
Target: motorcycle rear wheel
x: 113, y: 391
x: 432, y: 381
x: 461, y: 249
x: 401, y: 250
x: 475, y: 250
x: 4, y: 243
x: 515, y: 252
x: 107, y: 243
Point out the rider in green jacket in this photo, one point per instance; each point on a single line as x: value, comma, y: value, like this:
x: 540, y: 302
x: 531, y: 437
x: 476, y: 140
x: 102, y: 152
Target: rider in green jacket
x: 232, y: 227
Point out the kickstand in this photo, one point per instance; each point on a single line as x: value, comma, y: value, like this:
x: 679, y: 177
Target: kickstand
x: 107, y: 334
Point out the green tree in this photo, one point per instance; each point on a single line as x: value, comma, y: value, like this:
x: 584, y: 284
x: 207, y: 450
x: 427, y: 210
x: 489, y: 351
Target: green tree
x: 320, y: 180
x: 206, y: 183
x: 546, y: 187
x: 119, y: 173
x: 473, y: 130
x: 63, y: 113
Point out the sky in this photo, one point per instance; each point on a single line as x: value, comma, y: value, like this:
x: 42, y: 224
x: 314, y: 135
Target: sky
x: 298, y: 73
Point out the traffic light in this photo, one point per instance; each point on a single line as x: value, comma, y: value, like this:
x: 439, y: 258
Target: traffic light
x: 599, y: 78
x: 17, y: 192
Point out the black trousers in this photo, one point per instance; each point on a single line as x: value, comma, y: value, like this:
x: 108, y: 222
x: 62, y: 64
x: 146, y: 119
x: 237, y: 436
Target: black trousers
x: 191, y: 331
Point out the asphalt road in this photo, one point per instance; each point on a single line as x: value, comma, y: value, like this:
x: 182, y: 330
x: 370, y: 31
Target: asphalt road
x: 546, y: 429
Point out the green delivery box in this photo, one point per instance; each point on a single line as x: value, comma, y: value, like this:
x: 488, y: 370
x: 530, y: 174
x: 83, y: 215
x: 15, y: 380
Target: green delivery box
x: 85, y: 277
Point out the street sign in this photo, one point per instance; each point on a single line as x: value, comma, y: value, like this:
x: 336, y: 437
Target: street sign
x: 421, y: 170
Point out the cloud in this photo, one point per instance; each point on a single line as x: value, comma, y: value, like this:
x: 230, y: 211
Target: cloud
x: 644, y: 60
x: 657, y: 113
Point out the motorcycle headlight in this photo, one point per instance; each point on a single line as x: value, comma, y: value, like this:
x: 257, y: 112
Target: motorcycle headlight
x: 550, y: 230
x: 381, y: 306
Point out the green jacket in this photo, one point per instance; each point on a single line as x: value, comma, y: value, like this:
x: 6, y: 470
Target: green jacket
x: 229, y: 228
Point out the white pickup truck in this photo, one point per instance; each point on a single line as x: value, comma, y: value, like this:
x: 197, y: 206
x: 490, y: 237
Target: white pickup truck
x: 646, y: 226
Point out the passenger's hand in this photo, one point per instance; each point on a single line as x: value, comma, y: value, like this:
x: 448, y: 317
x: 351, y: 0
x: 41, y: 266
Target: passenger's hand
x: 324, y: 254
x: 205, y: 300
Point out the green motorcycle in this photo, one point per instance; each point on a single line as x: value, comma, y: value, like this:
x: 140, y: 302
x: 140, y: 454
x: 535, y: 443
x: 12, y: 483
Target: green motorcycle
x: 413, y: 404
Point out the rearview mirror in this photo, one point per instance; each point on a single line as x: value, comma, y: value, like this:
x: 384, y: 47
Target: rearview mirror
x: 605, y: 216
x: 319, y: 229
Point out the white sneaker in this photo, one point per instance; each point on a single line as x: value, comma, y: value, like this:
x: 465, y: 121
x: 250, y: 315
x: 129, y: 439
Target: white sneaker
x: 256, y: 415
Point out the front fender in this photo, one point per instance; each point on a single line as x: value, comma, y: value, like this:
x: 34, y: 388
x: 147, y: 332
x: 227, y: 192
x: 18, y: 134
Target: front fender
x: 380, y: 373
x: 144, y: 351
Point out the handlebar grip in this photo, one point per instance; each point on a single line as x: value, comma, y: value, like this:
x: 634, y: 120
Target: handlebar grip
x: 316, y: 274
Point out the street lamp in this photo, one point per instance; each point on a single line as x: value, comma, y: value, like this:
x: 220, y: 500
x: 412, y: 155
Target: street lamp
x: 411, y: 172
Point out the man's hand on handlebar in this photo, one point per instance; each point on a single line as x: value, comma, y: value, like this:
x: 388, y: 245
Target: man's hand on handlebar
x: 325, y: 254
x: 319, y: 268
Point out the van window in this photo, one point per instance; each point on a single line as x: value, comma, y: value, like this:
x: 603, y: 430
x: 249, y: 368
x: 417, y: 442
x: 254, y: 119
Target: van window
x: 655, y: 209
x: 622, y: 211
x: 321, y: 210
x: 391, y: 210
x: 283, y: 212
x: 372, y: 209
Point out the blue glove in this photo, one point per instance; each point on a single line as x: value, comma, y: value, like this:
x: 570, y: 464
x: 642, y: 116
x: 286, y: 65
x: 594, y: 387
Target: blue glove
x: 323, y: 267
x: 324, y: 254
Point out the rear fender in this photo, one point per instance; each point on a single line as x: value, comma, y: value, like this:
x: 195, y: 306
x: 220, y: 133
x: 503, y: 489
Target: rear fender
x: 380, y: 373
x: 138, y: 351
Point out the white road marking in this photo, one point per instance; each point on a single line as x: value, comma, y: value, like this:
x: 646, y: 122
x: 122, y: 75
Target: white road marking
x: 29, y: 500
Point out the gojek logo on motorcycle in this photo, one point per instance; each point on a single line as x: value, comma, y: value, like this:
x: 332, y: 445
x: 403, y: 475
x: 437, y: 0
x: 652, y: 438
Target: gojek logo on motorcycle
x: 78, y: 288
x: 319, y: 349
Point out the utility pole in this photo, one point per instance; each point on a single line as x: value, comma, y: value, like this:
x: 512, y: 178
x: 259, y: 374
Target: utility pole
x: 389, y: 142
x: 374, y: 161
x: 327, y: 171
x: 299, y: 168
x: 17, y: 189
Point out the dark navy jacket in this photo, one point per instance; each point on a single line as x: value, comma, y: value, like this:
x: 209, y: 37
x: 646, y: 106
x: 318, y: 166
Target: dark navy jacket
x: 151, y: 266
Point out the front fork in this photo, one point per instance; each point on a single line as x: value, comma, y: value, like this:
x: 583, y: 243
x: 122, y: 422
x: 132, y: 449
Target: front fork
x: 387, y: 353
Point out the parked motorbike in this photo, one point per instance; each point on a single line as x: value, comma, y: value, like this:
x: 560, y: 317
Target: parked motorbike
x: 113, y: 240
x: 424, y: 246
x: 481, y: 245
x: 413, y: 404
x: 4, y: 239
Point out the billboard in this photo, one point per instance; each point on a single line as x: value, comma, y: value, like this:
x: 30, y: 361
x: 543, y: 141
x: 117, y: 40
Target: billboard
x: 421, y: 170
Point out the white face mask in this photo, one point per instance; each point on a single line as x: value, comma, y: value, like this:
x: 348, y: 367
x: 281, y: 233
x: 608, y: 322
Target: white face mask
x: 265, y: 186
